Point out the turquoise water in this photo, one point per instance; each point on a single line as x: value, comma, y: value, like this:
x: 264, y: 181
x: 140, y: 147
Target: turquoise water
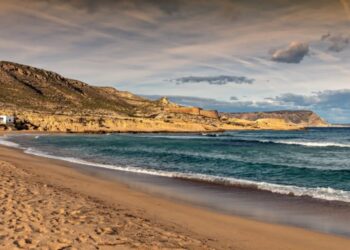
x: 314, y: 162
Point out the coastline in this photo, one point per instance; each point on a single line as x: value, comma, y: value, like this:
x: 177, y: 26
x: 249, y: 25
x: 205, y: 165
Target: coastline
x: 206, y: 228
x: 322, y: 193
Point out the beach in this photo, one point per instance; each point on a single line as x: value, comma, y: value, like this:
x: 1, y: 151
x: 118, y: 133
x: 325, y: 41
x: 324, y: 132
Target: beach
x: 47, y: 204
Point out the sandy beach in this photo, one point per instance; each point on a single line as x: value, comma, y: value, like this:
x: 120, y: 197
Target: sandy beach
x: 47, y: 204
x: 174, y: 124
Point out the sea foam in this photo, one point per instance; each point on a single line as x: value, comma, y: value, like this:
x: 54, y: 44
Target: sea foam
x: 4, y: 141
x: 315, y: 144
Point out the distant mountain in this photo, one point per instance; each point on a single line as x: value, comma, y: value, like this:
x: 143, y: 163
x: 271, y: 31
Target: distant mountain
x: 46, y: 101
x: 340, y: 125
x: 305, y: 118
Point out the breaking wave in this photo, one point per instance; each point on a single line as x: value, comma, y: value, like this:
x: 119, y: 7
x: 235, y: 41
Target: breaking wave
x: 311, y: 143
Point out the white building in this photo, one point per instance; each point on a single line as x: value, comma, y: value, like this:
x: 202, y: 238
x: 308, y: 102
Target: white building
x: 6, y: 119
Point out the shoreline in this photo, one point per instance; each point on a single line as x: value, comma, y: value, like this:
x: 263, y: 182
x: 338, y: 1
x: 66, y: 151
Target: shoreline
x: 315, y: 193
x: 226, y: 230
x: 311, y: 211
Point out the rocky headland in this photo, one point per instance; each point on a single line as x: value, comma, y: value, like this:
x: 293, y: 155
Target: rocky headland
x: 42, y: 100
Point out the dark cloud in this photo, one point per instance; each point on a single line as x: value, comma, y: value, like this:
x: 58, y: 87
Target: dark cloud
x: 234, y: 98
x: 214, y: 80
x: 94, y: 6
x: 294, y: 53
x: 91, y: 6
x: 337, y: 42
x: 325, y: 36
x: 169, y: 7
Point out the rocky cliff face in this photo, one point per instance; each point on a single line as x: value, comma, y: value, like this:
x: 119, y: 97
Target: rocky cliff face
x: 46, y: 101
x: 304, y: 118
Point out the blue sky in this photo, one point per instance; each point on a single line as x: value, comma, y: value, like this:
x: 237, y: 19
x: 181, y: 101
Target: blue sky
x: 246, y: 55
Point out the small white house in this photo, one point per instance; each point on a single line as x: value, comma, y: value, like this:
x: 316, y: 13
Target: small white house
x: 6, y: 119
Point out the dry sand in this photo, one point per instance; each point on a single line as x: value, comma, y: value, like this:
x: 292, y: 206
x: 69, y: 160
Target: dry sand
x: 46, y: 204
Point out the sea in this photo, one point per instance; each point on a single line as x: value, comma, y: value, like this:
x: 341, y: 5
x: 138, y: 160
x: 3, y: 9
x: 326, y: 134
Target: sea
x: 314, y: 162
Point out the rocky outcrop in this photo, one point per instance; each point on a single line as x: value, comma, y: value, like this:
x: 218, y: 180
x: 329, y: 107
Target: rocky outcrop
x: 193, y: 111
x: 304, y: 118
x: 209, y: 113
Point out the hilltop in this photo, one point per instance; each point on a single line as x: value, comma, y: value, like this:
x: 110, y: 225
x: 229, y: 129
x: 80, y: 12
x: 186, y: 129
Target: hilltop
x: 36, y: 89
x: 46, y: 101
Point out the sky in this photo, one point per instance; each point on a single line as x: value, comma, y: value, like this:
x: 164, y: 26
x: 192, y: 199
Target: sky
x: 232, y: 55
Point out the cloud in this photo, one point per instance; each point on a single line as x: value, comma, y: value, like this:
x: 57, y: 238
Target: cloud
x: 294, y: 53
x: 324, y: 99
x: 234, y: 98
x: 214, y: 80
x: 295, y: 99
x: 333, y: 105
x: 325, y: 36
x: 337, y: 42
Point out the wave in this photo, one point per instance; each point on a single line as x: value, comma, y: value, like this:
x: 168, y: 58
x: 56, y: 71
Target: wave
x: 328, y: 193
x: 294, y: 142
x: 311, y: 143
x: 5, y: 142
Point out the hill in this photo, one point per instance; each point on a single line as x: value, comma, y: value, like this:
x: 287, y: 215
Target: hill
x: 46, y: 101
x: 41, y: 90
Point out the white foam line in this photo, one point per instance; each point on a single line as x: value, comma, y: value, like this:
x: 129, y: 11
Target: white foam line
x: 309, y: 143
x: 5, y: 142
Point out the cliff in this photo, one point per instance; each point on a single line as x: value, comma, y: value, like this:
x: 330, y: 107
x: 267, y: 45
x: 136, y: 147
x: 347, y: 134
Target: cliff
x: 303, y: 118
x: 46, y: 101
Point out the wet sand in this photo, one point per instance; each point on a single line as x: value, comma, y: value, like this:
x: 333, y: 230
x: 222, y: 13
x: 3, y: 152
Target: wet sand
x: 46, y: 204
x: 324, y: 216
